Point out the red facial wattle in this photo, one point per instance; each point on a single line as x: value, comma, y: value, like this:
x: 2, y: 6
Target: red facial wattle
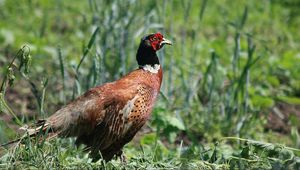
x: 157, y: 41
x: 155, y: 45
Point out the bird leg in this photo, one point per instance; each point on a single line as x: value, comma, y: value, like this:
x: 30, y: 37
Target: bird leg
x: 122, y: 156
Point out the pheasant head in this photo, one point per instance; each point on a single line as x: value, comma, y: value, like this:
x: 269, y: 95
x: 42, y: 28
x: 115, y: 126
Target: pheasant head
x: 146, y: 54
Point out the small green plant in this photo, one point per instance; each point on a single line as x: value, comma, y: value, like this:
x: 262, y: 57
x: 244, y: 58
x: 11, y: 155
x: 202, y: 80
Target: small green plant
x: 24, y: 60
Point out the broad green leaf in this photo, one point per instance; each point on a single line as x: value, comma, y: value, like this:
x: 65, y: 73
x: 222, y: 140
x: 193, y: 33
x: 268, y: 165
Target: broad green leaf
x: 290, y: 99
x: 262, y: 101
x: 173, y: 121
x: 148, y: 139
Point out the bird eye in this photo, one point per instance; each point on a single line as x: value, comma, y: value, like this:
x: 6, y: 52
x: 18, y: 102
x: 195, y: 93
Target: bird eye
x: 154, y: 39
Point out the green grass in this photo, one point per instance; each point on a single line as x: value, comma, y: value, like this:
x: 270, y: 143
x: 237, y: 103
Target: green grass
x: 232, y: 65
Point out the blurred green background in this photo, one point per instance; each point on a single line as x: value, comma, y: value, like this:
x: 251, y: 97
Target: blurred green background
x: 233, y: 71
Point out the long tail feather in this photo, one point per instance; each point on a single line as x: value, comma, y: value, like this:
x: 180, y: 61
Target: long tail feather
x: 10, y: 142
x: 41, y: 127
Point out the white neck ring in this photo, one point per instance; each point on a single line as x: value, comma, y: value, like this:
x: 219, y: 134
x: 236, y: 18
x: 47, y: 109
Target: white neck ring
x: 153, y: 69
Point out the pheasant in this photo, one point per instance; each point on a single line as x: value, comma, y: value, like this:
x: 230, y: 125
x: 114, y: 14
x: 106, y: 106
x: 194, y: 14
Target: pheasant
x: 107, y: 117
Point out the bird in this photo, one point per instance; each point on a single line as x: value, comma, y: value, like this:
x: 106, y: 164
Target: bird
x: 108, y: 116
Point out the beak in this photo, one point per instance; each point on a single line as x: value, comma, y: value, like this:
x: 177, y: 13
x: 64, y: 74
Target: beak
x: 165, y: 41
